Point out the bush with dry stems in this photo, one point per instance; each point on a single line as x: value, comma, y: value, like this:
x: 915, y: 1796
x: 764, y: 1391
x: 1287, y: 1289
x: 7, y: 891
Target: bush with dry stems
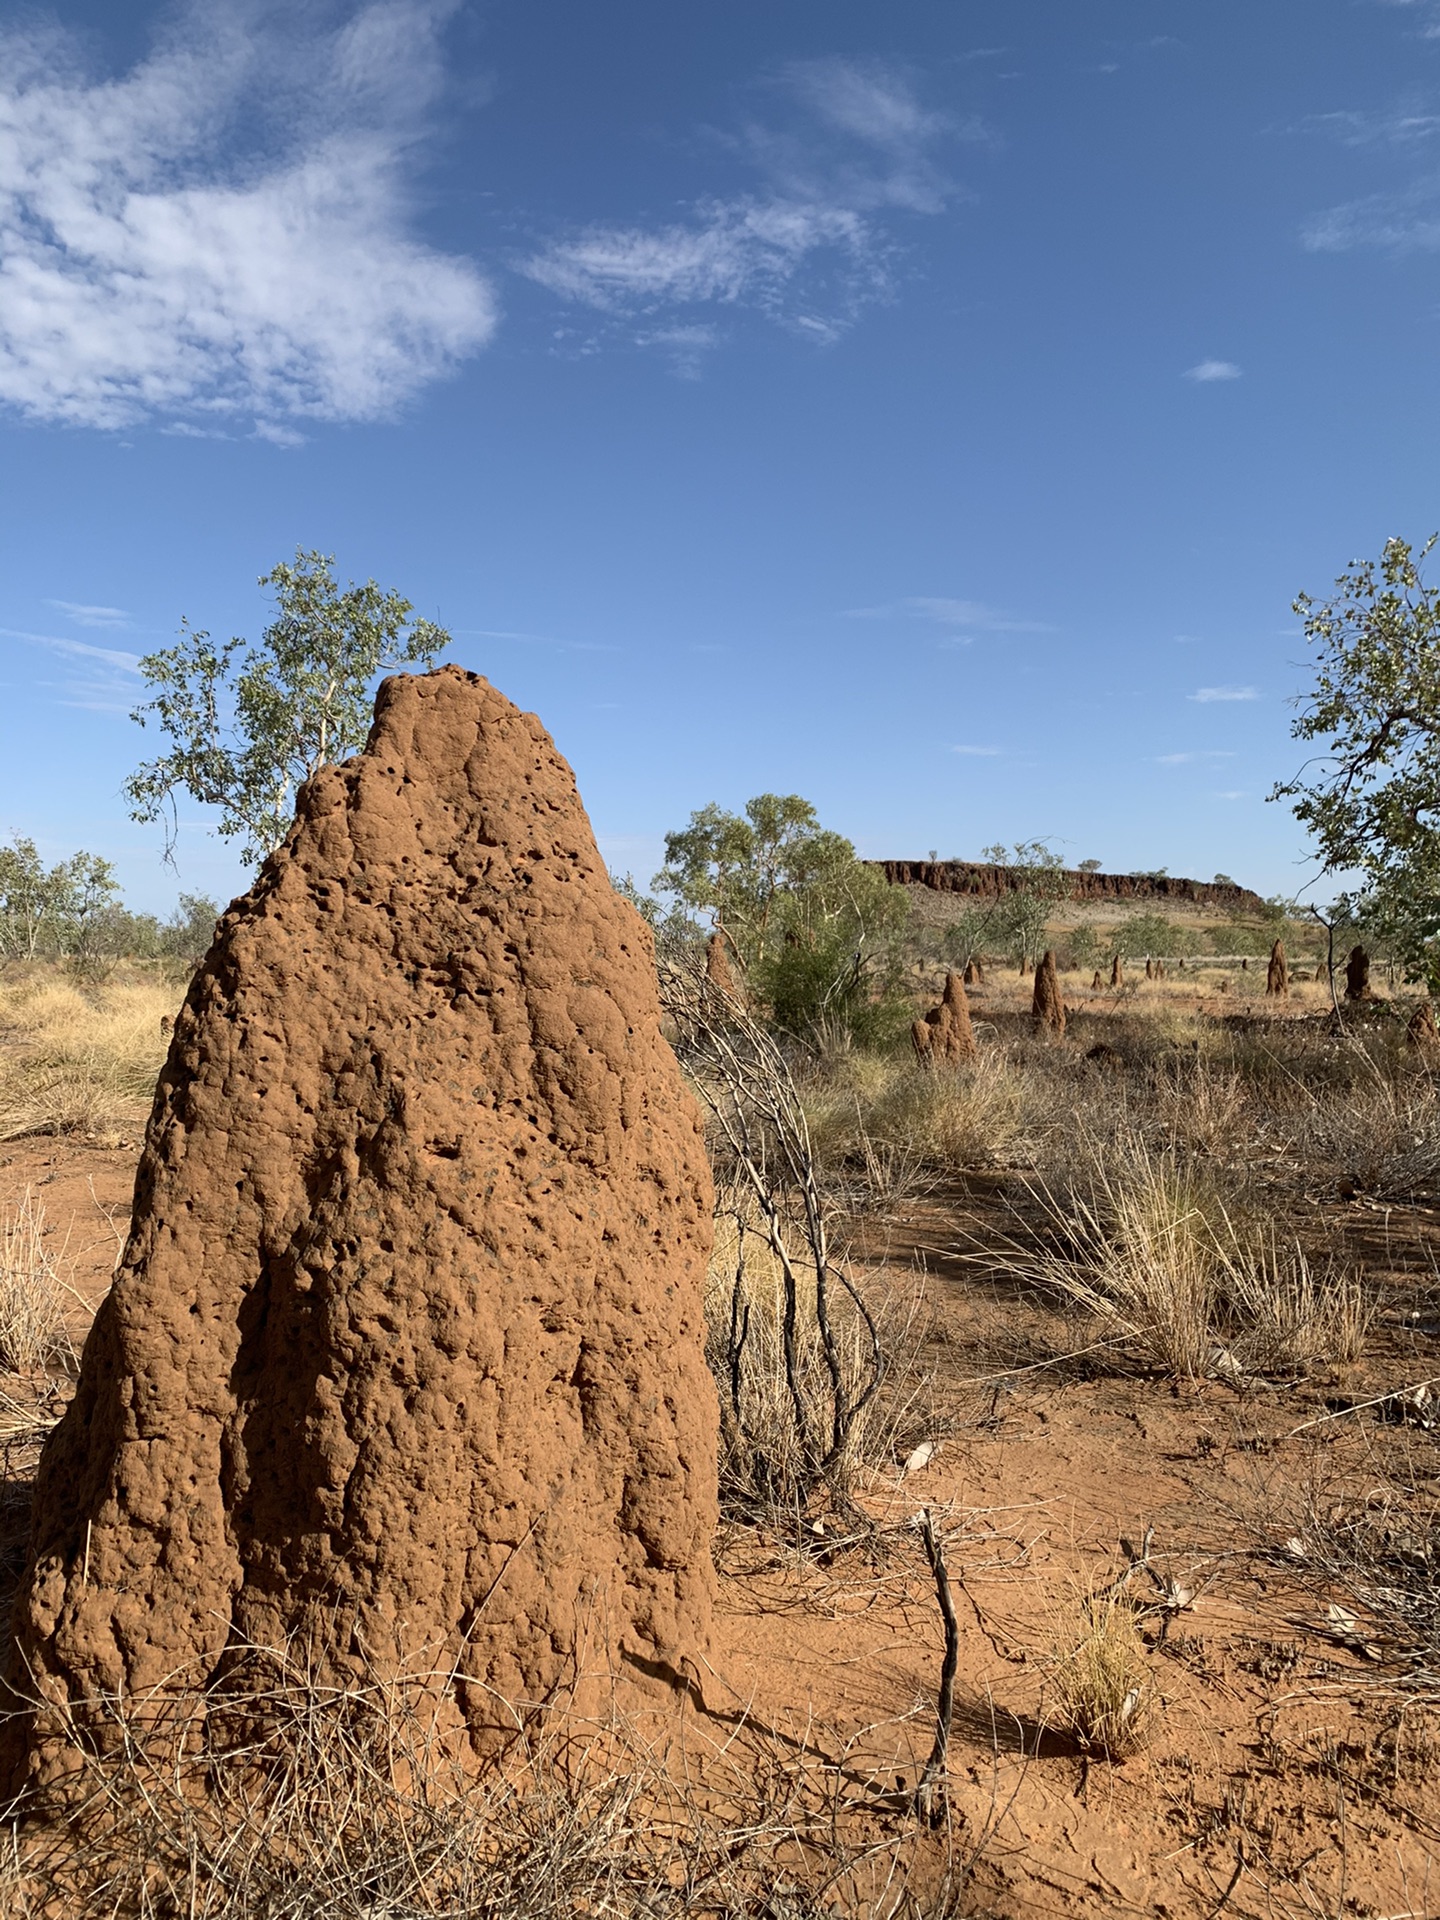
x: 1100, y: 1689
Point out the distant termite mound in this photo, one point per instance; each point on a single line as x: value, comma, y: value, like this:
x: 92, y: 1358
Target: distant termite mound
x: 719, y: 975
x: 1117, y: 972
x: 1047, y: 1009
x: 1422, y: 1032
x: 403, y: 1362
x: 1277, y: 974
x: 945, y: 1036
x: 1357, y: 975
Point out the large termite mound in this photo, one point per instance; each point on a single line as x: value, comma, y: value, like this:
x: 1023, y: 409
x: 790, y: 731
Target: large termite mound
x: 404, y: 1360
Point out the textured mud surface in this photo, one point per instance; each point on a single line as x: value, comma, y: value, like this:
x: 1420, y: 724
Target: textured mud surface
x: 404, y: 1355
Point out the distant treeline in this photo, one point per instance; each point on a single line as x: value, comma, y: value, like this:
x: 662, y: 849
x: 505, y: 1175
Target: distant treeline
x: 74, y: 911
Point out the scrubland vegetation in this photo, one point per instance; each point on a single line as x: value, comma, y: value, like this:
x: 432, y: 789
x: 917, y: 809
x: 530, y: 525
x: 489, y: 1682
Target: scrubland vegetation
x: 1179, y: 1199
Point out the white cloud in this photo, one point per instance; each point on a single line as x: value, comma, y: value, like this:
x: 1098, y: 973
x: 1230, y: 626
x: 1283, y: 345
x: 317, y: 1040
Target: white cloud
x: 1400, y: 128
x: 979, y: 753
x: 732, y: 251
x: 84, y: 616
x: 77, y: 649
x: 950, y: 613
x: 1209, y: 370
x: 1207, y: 694
x: 1405, y: 222
x: 1230, y: 793
x: 224, y: 230
x: 807, y: 247
x: 108, y: 684
x: 1185, y: 759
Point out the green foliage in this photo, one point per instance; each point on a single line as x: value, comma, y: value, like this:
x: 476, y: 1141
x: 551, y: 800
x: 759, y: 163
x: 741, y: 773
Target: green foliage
x: 963, y: 939
x: 1084, y: 945
x: 1142, y: 936
x: 666, y: 920
x: 1089, y: 866
x: 248, y: 725
x: 187, y: 934
x: 58, y: 910
x: 817, y: 931
x: 1371, y: 797
x: 1038, y: 883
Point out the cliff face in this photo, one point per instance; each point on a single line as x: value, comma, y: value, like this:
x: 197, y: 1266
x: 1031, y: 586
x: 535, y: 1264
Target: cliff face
x: 989, y: 883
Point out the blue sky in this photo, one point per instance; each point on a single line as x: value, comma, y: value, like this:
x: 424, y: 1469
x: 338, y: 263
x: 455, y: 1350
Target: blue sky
x: 931, y: 409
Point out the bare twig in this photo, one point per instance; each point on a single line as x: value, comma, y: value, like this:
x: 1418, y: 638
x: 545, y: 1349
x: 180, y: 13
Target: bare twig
x: 931, y: 1800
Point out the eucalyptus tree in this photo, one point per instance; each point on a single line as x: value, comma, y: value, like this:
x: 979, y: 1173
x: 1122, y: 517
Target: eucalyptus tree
x: 248, y: 725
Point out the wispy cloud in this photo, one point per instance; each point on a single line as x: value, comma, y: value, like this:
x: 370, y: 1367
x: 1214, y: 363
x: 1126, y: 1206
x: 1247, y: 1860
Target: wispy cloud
x: 1231, y: 793
x: 108, y: 685
x: 1401, y: 127
x: 1403, y: 222
x: 77, y: 649
x: 84, y: 616
x: 807, y: 246
x: 1185, y: 759
x: 1431, y: 29
x: 944, y: 612
x: 978, y: 753
x: 1205, y: 695
x: 1208, y: 370
x: 733, y: 250
x: 223, y: 231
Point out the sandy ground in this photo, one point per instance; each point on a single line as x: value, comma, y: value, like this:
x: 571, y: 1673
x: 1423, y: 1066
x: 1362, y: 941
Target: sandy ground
x: 1285, y: 1772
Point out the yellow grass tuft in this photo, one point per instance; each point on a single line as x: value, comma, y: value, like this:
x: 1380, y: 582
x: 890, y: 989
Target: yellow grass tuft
x: 1102, y: 1694
x: 32, y: 1295
x: 1150, y: 1248
x: 78, y: 1060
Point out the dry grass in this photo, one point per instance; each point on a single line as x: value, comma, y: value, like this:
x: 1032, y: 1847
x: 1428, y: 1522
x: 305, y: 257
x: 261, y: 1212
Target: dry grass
x: 1374, y: 1547
x: 32, y: 1292
x: 870, y: 1114
x: 285, y: 1796
x: 1100, y: 1687
x: 1146, y: 1244
x: 80, y: 1060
